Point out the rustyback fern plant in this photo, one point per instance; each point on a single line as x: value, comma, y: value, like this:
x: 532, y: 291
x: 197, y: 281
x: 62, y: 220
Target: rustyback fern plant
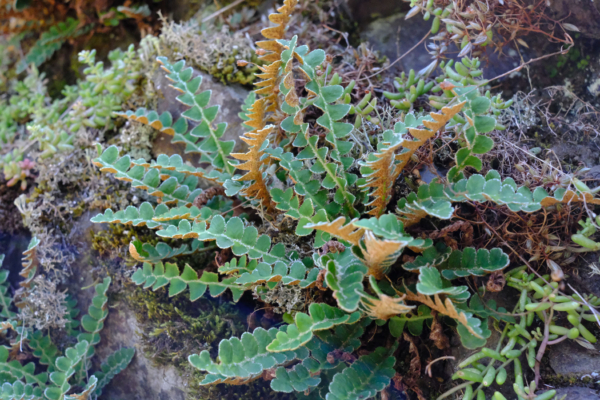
x: 337, y: 229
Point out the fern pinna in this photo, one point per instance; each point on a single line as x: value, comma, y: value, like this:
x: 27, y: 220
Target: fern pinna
x: 308, y: 168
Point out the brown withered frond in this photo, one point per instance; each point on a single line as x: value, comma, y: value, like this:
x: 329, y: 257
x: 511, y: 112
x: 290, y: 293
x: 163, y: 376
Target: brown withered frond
x: 422, y: 135
x: 443, y: 307
x: 385, y: 307
x: 379, y: 255
x: 571, y: 197
x: 382, y: 178
x: 388, y: 165
x: 269, y: 84
x: 254, y: 158
x: 348, y: 232
x: 282, y: 18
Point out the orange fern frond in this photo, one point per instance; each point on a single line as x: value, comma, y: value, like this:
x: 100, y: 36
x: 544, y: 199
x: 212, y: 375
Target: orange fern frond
x: 382, y: 178
x: 282, y: 18
x: 444, y: 307
x: 254, y: 158
x: 422, y: 135
x: 385, y: 307
x: 387, y: 166
x: 379, y: 255
x: 348, y: 232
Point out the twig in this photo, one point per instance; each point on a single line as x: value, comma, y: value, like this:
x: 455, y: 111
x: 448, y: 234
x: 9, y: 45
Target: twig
x: 397, y: 59
x: 222, y: 10
x: 428, y: 367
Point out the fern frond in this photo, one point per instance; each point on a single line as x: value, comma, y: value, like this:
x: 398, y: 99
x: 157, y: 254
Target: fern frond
x: 365, y: 377
x: 446, y: 307
x: 66, y: 366
x: 320, y: 317
x: 210, y: 146
x: 178, y: 190
x: 15, y: 370
x: 459, y: 263
x: 233, y: 234
x: 255, y: 158
x: 87, y: 391
x: 295, y: 274
x: 145, y: 252
x: 569, y: 196
x: 348, y: 232
x: 345, y: 274
x: 380, y: 169
x: 282, y: 18
x: 115, y: 363
x: 159, y: 275
x: 385, y: 166
x: 21, y: 391
x: 241, y: 361
x: 142, y: 216
x: 5, y: 299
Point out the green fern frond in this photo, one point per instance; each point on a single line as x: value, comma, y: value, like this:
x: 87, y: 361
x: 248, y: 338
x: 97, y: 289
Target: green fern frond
x: 233, y: 234
x: 159, y: 275
x: 243, y: 360
x: 115, y: 363
x: 366, y: 377
x: 320, y: 316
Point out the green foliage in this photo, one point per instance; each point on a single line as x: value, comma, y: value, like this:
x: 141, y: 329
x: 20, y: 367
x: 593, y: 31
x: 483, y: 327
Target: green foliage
x: 159, y: 275
x: 243, y: 359
x: 309, y: 179
x: 365, y: 377
x: 459, y: 263
x: 57, y: 372
x: 5, y: 299
x: 52, y: 40
x: 114, y: 364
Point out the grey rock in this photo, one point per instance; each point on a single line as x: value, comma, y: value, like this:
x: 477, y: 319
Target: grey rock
x: 394, y: 36
x: 577, y: 393
x: 569, y: 358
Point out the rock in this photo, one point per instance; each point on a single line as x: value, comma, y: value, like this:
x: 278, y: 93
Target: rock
x: 394, y: 36
x: 230, y: 98
x: 141, y: 380
x: 584, y: 14
x: 577, y: 393
x: 569, y: 358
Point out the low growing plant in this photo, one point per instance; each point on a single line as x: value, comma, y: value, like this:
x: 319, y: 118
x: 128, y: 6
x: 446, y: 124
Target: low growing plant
x: 328, y: 221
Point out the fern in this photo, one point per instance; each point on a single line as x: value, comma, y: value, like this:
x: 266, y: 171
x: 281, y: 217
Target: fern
x: 159, y: 275
x: 365, y: 377
x: 52, y: 40
x: 242, y: 240
x: 295, y: 274
x: 383, y: 167
x: 16, y: 372
x: 20, y: 391
x: 320, y: 317
x: 115, y: 363
x: 241, y: 361
x: 459, y: 263
x: 180, y: 189
x: 145, y: 252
